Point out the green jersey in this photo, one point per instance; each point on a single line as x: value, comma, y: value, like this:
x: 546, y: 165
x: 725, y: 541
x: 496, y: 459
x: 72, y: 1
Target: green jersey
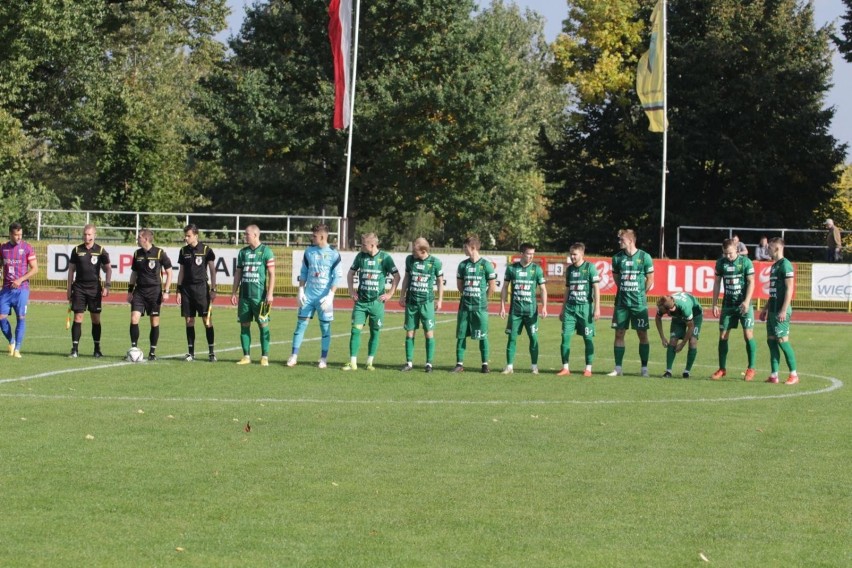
x: 579, y: 283
x: 631, y: 274
x: 686, y: 307
x: 475, y: 277
x: 524, y: 280
x: 778, y: 274
x: 734, y: 275
x: 255, y: 265
x: 422, y: 277
x: 372, y: 272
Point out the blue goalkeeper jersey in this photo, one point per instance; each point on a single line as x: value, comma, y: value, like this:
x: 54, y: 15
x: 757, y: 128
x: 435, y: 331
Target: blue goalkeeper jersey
x: 320, y: 271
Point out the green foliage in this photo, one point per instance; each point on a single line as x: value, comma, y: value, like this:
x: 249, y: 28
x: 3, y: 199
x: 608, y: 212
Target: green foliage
x: 745, y: 93
x: 844, y: 42
x: 447, y: 112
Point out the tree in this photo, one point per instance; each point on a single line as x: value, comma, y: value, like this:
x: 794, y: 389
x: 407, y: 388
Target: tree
x: 447, y: 112
x: 748, y: 137
x: 844, y: 42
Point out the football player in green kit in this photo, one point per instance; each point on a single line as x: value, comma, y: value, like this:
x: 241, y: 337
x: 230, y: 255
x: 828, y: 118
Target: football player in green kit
x: 687, y: 317
x: 777, y: 313
x: 524, y: 276
x: 254, y: 282
x: 475, y: 278
x: 372, y: 266
x: 633, y: 272
x: 736, y: 272
x: 417, y: 296
x: 581, y: 307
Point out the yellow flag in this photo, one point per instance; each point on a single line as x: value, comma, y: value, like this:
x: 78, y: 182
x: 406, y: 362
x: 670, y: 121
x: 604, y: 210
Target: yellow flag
x: 649, y: 76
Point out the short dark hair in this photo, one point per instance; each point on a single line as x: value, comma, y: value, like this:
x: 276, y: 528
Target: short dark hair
x: 526, y: 247
x: 191, y: 228
x: 473, y: 241
x: 15, y: 227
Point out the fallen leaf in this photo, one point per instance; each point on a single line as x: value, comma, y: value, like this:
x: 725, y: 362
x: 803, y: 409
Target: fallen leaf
x: 179, y: 548
x: 334, y: 483
x: 89, y: 437
x: 247, y: 427
x: 140, y: 411
x: 23, y: 418
x: 704, y: 558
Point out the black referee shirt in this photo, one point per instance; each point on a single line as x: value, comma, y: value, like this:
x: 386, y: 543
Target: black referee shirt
x: 148, y: 266
x: 88, y: 263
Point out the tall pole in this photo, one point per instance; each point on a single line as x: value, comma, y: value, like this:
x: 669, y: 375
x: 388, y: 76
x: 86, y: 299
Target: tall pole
x: 665, y: 136
x: 345, y: 239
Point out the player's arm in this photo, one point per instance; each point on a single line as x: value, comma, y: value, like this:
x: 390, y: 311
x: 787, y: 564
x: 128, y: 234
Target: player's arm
x: 717, y: 286
x: 211, y: 269
x: 649, y: 282
x: 440, y: 281
x: 350, y: 282
x: 658, y: 320
x: 131, y: 286
x: 32, y: 269
x: 107, y: 278
x: 749, y: 292
x: 235, y: 287
x: 788, y: 299
x: 180, y: 278
x: 596, y: 294
x: 403, y: 290
x: 270, y: 280
x: 504, y: 294
x: 394, y: 284
x: 690, y: 329
x: 72, y: 268
x: 168, y: 284
x: 543, y: 300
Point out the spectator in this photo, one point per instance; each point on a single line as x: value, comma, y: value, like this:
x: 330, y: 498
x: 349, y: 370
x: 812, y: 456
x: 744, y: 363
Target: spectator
x: 833, y: 243
x: 741, y: 248
x: 761, y: 251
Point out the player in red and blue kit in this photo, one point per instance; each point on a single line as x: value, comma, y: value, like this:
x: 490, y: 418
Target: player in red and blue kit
x: 19, y: 265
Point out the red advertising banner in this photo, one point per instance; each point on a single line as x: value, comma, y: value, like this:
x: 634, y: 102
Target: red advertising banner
x: 670, y: 276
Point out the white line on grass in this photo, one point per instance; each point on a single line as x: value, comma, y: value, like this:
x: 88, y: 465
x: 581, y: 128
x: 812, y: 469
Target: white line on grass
x: 834, y: 384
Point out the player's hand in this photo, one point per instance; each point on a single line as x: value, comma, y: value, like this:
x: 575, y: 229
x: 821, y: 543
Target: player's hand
x: 269, y: 298
x: 715, y: 311
x: 177, y: 298
x: 439, y: 305
x: 680, y: 346
x: 129, y: 297
x: 303, y: 299
x: 665, y: 343
x: 233, y: 299
x: 401, y: 301
x: 762, y: 315
x: 353, y: 295
x: 597, y: 315
x: 327, y: 303
x: 543, y: 311
x: 782, y: 316
x: 384, y: 298
x: 503, y: 312
x: 744, y: 308
x: 105, y: 292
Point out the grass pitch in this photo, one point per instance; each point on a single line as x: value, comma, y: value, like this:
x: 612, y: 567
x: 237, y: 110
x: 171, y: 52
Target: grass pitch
x: 104, y: 463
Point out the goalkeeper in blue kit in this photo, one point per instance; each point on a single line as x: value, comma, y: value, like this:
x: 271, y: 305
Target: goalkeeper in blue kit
x: 318, y: 281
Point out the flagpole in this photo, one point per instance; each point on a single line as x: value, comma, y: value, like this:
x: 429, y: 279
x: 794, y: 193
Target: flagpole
x: 345, y: 231
x: 665, y: 135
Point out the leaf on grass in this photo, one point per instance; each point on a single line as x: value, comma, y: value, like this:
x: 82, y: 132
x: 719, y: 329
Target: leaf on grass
x: 23, y: 418
x: 140, y: 411
x: 179, y: 549
x: 89, y: 437
x: 170, y: 417
x: 247, y: 427
x: 704, y: 558
x: 334, y: 483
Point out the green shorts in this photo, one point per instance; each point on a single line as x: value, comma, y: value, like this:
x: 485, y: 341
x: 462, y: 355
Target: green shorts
x: 730, y: 318
x: 775, y: 328
x: 374, y: 310
x: 625, y: 318
x: 578, y: 320
x: 249, y: 311
x: 678, y: 328
x: 419, y: 314
x: 472, y: 324
x: 515, y: 323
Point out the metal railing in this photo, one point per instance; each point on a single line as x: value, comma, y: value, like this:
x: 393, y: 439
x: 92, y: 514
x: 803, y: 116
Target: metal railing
x: 814, y: 239
x: 290, y: 229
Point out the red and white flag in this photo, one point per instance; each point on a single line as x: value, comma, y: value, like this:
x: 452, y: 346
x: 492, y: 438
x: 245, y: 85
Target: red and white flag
x: 339, y: 33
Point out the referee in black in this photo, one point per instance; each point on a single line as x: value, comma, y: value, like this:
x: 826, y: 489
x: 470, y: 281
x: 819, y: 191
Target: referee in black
x: 146, y: 292
x: 84, y: 287
x: 195, y: 292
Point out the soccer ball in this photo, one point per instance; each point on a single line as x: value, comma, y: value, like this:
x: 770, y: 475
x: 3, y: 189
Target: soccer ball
x: 134, y: 355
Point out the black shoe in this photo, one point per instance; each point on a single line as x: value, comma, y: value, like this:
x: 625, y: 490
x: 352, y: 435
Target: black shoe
x: 212, y: 358
x: 485, y: 369
x: 152, y: 357
x: 428, y: 368
x: 73, y: 354
x: 407, y: 367
x: 686, y: 374
x: 667, y: 375
x: 458, y: 369
x: 189, y: 357
x: 97, y: 354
